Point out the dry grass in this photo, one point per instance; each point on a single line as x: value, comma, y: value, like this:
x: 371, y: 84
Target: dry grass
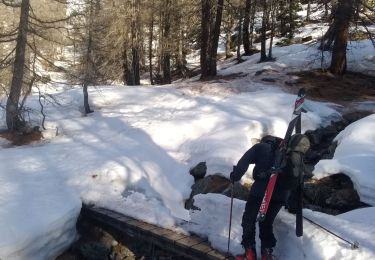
x: 17, y: 138
x: 325, y: 86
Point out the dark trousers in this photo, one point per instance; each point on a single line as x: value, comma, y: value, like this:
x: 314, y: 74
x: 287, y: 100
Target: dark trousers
x: 265, y: 227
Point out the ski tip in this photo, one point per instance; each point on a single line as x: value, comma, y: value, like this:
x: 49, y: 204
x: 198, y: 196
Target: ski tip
x: 301, y: 92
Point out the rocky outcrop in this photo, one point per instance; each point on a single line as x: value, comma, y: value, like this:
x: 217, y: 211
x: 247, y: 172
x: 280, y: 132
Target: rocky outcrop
x: 334, y: 194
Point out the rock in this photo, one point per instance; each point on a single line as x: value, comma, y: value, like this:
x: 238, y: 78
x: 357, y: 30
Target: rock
x: 215, y: 184
x: 335, y: 193
x: 307, y: 38
x: 266, y: 71
x: 355, y: 115
x: 343, y: 199
x: 329, y: 132
x: 314, y: 137
x: 269, y: 79
x: 312, y: 157
x: 199, y: 171
x: 93, y: 251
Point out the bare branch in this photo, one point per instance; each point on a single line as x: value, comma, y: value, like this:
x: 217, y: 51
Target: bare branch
x: 57, y: 20
x: 9, y: 34
x: 11, y: 3
x: 368, y: 32
x: 35, y: 32
x: 7, y: 56
x: 8, y: 40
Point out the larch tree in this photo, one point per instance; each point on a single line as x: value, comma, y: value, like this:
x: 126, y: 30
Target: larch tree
x: 37, y: 36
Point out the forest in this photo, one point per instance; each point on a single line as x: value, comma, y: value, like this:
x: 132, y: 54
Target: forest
x: 96, y: 42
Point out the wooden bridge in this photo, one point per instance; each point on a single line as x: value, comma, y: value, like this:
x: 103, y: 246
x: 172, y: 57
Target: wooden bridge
x: 188, y: 246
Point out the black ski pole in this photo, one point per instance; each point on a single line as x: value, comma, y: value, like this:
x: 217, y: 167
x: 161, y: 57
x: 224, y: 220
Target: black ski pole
x: 353, y: 245
x: 299, y: 192
x: 230, y: 216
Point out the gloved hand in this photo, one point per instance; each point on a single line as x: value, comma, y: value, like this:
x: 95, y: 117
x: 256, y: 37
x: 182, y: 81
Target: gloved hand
x: 233, y: 176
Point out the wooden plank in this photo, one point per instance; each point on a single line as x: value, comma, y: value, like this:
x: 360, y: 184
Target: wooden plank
x: 124, y: 218
x: 202, y: 247
x: 113, y: 214
x: 159, y: 231
x: 99, y: 210
x: 134, y: 222
x: 189, y: 241
x: 215, y: 255
x: 146, y: 226
x: 172, y: 237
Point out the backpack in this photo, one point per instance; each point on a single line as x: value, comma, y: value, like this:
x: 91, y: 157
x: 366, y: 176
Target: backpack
x: 293, y: 165
x: 274, y: 141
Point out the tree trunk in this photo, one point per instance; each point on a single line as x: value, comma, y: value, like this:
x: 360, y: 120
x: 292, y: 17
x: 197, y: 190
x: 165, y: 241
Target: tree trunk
x: 239, y: 38
x: 167, y: 48
x: 326, y: 10
x: 86, y: 98
x: 135, y: 66
x: 263, y: 55
x: 150, y: 40
x: 13, y: 119
x: 180, y: 60
x: 308, y: 11
x: 343, y: 15
x: 88, y: 77
x: 252, y: 22
x: 205, y: 34
x: 133, y: 77
x: 246, y: 23
x: 228, y: 39
x: 215, y: 39
x: 291, y: 19
x: 273, y: 24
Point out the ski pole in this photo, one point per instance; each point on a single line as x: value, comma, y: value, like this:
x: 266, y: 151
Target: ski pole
x: 353, y: 245
x: 230, y: 215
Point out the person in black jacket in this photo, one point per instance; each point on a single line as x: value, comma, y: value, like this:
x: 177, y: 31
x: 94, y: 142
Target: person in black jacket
x: 262, y: 155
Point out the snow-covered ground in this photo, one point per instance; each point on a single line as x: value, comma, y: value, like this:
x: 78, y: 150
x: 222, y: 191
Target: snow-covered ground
x: 134, y: 152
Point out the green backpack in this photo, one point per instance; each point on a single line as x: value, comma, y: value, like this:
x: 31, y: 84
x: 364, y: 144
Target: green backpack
x: 294, y: 167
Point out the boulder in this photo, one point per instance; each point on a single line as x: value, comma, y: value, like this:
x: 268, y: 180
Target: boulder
x: 198, y: 171
x: 334, y: 193
x: 215, y: 184
x: 307, y: 38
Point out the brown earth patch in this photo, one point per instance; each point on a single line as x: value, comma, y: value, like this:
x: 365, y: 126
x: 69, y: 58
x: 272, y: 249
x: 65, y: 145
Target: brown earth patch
x: 325, y: 86
x: 18, y: 138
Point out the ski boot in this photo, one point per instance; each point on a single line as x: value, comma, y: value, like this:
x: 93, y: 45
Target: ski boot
x: 250, y: 254
x: 267, y: 254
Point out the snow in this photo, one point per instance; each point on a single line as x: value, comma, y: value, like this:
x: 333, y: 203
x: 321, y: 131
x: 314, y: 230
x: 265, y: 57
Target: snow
x: 354, y: 226
x: 134, y: 152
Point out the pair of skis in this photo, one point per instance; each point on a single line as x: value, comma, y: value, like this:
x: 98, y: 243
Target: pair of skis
x: 295, y: 123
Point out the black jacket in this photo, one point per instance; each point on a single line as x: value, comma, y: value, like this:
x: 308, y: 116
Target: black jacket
x: 262, y: 155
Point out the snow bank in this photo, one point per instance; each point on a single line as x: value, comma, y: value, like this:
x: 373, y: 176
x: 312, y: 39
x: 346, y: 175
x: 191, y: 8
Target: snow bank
x: 38, y: 211
x: 354, y: 156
